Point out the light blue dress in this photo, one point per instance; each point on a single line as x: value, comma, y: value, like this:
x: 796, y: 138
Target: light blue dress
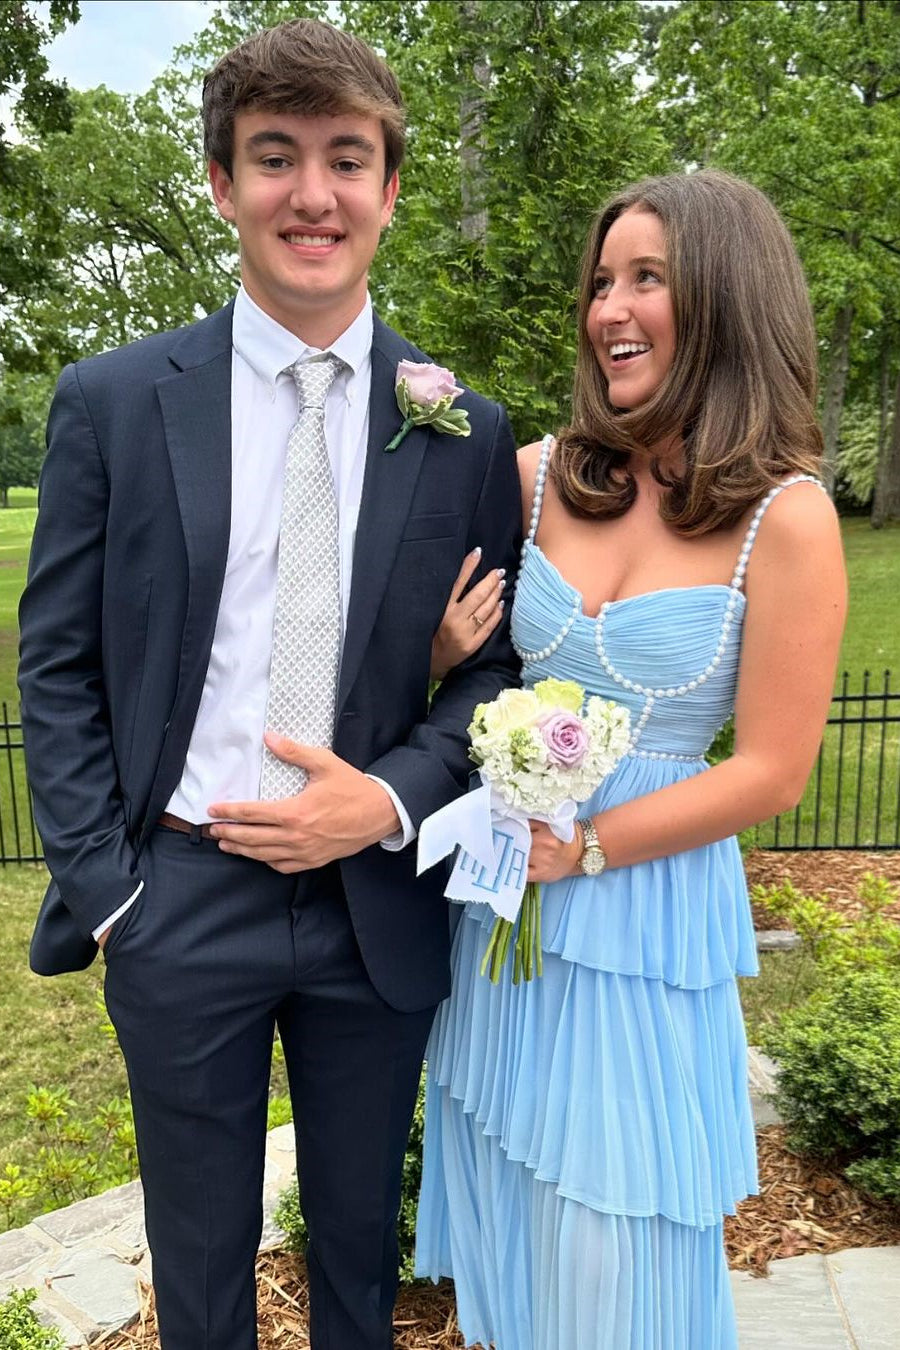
x: 586, y: 1132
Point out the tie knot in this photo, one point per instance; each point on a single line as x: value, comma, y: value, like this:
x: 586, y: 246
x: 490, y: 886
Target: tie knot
x: 315, y: 377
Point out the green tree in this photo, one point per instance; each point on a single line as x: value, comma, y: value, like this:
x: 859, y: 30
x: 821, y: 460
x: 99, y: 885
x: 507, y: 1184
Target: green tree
x: 23, y: 412
x: 804, y: 100
x: 40, y: 105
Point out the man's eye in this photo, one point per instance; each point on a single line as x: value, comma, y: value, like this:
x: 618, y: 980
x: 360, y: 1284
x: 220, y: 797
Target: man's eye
x: 275, y: 162
x: 347, y: 165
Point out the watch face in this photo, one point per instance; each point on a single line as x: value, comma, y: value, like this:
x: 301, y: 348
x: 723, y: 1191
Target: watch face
x: 593, y: 862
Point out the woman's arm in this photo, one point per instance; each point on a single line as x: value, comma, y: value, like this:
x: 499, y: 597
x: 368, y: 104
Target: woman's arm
x: 796, y: 606
x: 471, y: 616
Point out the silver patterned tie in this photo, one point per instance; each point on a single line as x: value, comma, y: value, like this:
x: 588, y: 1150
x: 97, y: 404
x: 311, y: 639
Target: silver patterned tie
x: 306, y: 642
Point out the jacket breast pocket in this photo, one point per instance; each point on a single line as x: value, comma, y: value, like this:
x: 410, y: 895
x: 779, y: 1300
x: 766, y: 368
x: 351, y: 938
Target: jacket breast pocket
x: 434, y: 526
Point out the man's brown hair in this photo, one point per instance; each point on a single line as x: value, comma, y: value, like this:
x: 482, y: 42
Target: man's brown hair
x: 305, y: 67
x: 740, y: 395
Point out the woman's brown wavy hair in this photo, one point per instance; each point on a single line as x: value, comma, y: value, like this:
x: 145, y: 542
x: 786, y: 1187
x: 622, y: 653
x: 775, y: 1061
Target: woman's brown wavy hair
x: 741, y: 390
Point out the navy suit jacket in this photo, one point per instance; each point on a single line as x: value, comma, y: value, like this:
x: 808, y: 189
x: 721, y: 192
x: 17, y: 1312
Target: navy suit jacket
x: 118, y: 616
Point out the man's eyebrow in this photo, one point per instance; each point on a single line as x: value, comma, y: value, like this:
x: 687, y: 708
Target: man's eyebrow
x: 270, y: 137
x: 353, y: 140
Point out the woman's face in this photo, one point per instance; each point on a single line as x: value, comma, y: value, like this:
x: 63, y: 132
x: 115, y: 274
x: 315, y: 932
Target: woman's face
x: 630, y: 323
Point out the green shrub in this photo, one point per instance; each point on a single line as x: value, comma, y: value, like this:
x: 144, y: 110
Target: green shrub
x: 838, y: 1088
x: 20, y: 1328
x: 289, y: 1214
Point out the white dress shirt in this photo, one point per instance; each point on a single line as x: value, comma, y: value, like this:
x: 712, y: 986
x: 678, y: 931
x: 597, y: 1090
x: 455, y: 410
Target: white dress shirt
x: 224, y: 757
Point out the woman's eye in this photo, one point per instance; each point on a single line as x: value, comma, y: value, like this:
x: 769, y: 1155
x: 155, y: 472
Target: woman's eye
x: 601, y: 285
x: 648, y: 274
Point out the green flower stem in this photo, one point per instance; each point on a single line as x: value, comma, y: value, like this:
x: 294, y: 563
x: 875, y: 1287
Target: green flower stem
x: 527, y: 956
x: 407, y: 426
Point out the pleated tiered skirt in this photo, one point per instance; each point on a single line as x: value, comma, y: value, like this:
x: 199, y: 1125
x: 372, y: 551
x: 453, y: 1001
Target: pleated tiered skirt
x: 586, y: 1132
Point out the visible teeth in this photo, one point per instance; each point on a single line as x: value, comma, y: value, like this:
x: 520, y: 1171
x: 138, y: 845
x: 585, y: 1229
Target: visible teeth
x: 312, y: 240
x: 628, y: 348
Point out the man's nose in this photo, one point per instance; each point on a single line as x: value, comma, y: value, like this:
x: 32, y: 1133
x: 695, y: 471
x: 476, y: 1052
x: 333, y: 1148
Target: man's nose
x: 312, y: 193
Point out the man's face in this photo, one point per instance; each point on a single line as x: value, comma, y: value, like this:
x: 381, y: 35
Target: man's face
x: 309, y: 200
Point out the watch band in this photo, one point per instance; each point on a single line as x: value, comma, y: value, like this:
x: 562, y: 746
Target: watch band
x: 593, y: 859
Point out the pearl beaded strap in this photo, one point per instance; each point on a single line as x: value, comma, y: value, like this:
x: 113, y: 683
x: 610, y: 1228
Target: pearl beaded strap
x: 528, y: 658
x: 737, y: 580
x: 540, y: 482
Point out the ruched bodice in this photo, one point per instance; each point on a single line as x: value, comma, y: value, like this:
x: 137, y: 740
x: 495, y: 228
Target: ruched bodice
x: 663, y: 642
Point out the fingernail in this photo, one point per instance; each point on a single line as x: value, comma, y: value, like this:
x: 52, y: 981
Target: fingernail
x: 501, y: 571
x: 477, y: 551
x: 502, y: 604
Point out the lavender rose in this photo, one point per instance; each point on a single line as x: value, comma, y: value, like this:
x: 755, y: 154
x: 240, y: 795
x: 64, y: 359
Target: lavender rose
x: 427, y: 384
x: 565, y: 737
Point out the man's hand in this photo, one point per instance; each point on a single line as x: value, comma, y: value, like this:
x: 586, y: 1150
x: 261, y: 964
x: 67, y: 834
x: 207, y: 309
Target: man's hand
x: 339, y: 812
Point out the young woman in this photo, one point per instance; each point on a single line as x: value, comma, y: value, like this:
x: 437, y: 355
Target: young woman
x: 587, y: 1131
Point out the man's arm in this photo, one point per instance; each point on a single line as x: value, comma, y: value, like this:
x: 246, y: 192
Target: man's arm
x: 433, y: 765
x: 68, y: 745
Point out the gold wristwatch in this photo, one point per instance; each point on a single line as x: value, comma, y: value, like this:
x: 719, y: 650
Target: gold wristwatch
x: 593, y: 859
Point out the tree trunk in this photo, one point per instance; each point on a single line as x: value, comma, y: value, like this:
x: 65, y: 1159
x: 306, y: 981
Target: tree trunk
x: 474, y: 222
x: 886, y: 498
x: 4, y: 497
x: 833, y: 394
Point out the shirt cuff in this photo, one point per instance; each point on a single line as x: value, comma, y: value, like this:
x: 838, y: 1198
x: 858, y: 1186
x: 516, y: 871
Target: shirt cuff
x: 407, y: 832
x: 108, y: 923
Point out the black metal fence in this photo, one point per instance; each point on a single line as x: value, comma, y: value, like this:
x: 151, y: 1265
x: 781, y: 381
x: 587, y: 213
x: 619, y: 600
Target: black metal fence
x: 19, y: 842
x: 852, y: 799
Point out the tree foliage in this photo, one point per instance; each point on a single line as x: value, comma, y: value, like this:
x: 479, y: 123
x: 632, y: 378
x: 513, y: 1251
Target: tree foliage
x: 522, y: 117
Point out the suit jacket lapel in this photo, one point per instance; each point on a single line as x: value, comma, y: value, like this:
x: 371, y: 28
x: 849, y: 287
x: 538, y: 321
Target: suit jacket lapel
x: 388, y: 486
x: 196, y: 409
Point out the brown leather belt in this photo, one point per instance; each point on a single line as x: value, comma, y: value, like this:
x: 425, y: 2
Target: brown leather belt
x: 184, y: 826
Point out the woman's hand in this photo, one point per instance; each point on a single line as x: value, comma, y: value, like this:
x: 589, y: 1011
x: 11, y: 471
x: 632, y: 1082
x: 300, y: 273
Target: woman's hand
x: 469, y: 618
x: 550, y: 858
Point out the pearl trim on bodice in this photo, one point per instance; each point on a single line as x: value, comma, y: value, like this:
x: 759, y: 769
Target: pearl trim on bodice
x: 649, y: 694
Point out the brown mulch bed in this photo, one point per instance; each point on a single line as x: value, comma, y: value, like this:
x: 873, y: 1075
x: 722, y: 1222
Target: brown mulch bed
x: 802, y: 1208
x: 832, y: 873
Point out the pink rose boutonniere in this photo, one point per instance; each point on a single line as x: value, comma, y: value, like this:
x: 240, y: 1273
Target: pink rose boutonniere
x: 425, y: 397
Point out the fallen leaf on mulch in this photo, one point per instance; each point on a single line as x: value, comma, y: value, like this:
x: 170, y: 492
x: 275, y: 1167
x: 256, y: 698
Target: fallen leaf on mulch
x: 802, y: 1207
x: 833, y: 874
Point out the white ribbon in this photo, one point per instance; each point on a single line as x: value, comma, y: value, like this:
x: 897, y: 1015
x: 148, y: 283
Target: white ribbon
x: 494, y: 844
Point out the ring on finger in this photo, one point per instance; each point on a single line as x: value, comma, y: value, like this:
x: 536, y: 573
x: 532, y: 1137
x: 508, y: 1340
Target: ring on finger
x: 477, y: 622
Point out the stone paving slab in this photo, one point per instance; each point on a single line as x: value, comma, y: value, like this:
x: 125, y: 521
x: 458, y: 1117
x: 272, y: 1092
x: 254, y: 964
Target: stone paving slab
x: 762, y: 1072
x: 89, y: 1218
x: 99, y: 1285
x: 791, y: 1309
x: 867, y: 1283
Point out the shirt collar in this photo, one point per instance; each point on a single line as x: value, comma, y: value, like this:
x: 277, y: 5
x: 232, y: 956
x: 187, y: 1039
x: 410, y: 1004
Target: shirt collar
x: 269, y: 349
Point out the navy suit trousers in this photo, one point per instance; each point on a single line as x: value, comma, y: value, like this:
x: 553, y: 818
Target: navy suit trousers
x: 217, y: 952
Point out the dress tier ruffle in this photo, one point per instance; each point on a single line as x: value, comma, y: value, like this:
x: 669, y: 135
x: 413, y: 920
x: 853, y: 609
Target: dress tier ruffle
x: 587, y: 1131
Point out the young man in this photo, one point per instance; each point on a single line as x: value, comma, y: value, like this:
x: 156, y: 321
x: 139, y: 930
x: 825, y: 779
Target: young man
x: 224, y: 549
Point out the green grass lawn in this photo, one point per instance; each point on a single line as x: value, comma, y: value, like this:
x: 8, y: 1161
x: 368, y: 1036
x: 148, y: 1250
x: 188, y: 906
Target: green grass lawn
x: 872, y: 639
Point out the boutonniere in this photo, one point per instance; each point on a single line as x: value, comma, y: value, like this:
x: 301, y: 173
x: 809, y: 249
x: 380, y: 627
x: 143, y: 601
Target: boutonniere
x: 425, y: 395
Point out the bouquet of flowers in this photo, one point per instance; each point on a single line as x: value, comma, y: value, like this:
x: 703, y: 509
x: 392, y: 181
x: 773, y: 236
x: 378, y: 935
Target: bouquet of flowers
x: 540, y: 752
x: 542, y: 755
